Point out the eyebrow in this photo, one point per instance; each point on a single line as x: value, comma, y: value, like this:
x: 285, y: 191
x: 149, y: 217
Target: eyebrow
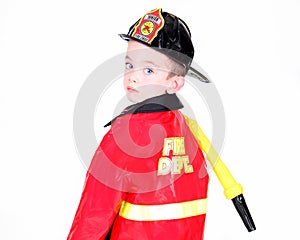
x: 151, y: 63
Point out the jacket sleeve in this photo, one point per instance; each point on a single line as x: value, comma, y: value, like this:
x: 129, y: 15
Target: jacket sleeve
x: 100, y: 200
x: 96, y: 212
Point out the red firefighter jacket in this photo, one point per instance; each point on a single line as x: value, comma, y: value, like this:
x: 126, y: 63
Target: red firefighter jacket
x: 147, y: 179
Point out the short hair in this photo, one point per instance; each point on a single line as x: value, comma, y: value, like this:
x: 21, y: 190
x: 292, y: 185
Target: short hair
x: 176, y: 68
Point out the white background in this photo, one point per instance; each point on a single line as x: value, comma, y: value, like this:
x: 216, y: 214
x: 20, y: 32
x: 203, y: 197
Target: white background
x: 251, y: 51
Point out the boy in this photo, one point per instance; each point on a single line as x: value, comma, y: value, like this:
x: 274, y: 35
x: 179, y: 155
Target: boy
x: 148, y: 179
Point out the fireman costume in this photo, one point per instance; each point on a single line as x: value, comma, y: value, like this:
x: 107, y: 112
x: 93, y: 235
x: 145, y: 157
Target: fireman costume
x: 149, y: 182
x: 148, y: 177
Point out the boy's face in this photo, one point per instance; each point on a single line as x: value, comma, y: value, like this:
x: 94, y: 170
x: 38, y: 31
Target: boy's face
x: 146, y: 73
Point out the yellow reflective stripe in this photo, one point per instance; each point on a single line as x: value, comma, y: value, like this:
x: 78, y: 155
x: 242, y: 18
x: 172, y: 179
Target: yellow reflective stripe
x: 164, y: 211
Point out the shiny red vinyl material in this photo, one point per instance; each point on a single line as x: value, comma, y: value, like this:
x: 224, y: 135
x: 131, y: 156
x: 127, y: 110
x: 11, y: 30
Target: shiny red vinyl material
x: 147, y: 180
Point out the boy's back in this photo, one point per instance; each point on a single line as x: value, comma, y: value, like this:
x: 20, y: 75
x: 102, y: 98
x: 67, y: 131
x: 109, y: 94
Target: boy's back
x: 155, y: 190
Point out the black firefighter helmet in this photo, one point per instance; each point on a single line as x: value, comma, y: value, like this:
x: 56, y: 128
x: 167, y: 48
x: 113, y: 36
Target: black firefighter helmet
x: 166, y: 33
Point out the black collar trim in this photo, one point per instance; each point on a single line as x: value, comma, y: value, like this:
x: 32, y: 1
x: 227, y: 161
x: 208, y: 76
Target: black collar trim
x: 162, y: 103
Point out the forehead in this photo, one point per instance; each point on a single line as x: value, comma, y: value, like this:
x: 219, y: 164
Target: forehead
x: 140, y: 52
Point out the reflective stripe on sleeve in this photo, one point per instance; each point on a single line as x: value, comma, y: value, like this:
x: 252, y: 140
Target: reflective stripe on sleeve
x: 164, y: 211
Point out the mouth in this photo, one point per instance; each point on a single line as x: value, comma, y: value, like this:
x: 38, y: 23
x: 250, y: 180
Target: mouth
x: 131, y: 89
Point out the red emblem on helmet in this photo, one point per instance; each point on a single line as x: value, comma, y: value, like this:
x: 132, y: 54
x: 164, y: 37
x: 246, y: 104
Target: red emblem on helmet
x: 149, y: 25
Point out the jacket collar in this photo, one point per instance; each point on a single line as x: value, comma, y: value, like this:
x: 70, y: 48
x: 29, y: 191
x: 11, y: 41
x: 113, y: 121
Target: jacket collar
x: 162, y: 103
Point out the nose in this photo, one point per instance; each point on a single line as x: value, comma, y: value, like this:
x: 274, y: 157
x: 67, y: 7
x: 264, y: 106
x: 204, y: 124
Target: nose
x: 132, y: 78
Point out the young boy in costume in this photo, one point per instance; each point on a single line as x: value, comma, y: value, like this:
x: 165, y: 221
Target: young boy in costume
x: 148, y: 179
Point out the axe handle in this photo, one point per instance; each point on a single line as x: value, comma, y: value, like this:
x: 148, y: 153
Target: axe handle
x: 232, y: 189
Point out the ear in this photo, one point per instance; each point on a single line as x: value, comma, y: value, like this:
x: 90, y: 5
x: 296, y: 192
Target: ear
x: 176, y: 83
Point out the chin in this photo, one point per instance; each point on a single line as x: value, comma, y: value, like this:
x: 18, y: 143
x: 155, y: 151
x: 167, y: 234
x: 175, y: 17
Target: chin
x: 132, y: 98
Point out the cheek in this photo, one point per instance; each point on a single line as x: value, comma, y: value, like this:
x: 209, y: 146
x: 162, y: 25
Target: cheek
x: 125, y: 81
x: 163, y: 78
x: 164, y: 82
x: 125, y: 77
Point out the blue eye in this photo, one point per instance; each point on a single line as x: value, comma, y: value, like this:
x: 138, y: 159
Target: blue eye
x: 128, y: 66
x: 148, y: 71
